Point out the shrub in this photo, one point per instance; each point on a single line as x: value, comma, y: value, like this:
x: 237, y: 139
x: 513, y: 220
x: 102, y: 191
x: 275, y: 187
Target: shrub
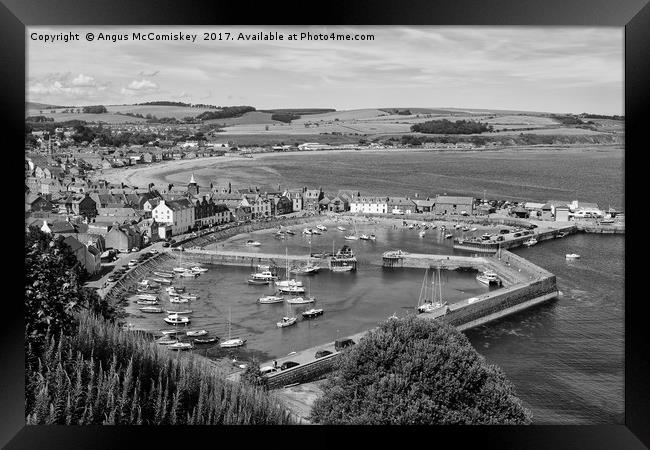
x: 417, y: 371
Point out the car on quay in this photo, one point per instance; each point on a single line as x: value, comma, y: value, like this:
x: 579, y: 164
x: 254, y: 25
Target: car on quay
x: 111, y: 279
x: 340, y: 344
x: 517, y: 234
x: 322, y: 353
x: 166, y: 244
x: 267, y: 370
x: 288, y: 364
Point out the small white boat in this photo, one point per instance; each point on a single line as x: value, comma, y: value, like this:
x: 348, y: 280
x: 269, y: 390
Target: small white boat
x: 252, y: 243
x: 286, y: 322
x: 235, y: 342
x: 175, y: 319
x: 179, y: 270
x: 530, y: 242
x: 351, y: 237
x: 198, y: 269
x: 206, y: 340
x: 364, y: 237
x: 373, y: 237
x: 315, y: 231
x: 291, y: 232
x: 189, y: 296
x: 178, y: 300
x: 292, y: 289
x: 344, y: 268
x: 170, y: 332
x: 449, y: 236
x: 393, y: 317
x: 267, y: 299
x: 181, y: 346
x: 188, y: 274
x: 421, y: 234
x: 258, y: 282
x: 306, y: 231
x: 306, y: 269
x: 340, y: 228
x: 184, y: 311
x: 164, y: 274
x: 147, y: 302
x: 473, y: 229
x: 265, y: 275
x: 146, y: 297
x: 301, y: 300
x: 288, y: 283
x: 162, y: 280
x: 321, y: 227
x: 166, y: 341
x: 196, y: 333
x: 572, y: 256
x: 151, y: 309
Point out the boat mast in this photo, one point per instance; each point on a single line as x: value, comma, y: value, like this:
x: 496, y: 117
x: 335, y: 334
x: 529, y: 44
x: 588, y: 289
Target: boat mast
x: 423, y: 289
x: 440, y: 285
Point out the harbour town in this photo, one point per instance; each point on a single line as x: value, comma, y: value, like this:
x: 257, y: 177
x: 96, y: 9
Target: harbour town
x: 195, y: 262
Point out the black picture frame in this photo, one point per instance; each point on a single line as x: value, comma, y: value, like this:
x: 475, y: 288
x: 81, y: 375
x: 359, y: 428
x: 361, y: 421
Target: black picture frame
x: 634, y: 15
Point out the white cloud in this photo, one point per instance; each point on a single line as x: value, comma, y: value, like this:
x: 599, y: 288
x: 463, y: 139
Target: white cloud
x: 142, y: 85
x: 83, y: 80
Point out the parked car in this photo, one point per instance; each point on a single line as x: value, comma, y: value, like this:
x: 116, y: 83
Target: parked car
x: 517, y: 234
x: 166, y: 244
x: 288, y: 364
x: 321, y: 353
x: 111, y: 279
x: 133, y: 263
x: 135, y: 249
x: 266, y: 370
x: 340, y: 344
x: 504, y: 231
x: 500, y: 238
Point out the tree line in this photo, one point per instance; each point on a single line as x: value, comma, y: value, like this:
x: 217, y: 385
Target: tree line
x: 445, y: 126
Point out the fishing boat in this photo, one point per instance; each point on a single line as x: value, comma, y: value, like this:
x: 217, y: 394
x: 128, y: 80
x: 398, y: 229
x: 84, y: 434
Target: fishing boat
x: 146, y: 297
x: 342, y: 268
x: 340, y: 228
x: 196, y: 333
x: 164, y: 274
x: 291, y: 289
x: 182, y: 311
x: 530, y: 242
x: 188, y: 274
x: 288, y: 283
x: 231, y: 342
x: 421, y: 234
x: 312, y: 312
x: 175, y: 319
x: 163, y: 280
x: 316, y: 231
x: 364, y: 237
x: 265, y: 275
x: 147, y: 302
x: 181, y: 346
x: 179, y: 289
x: 306, y: 269
x: 351, y: 237
x: 198, y: 269
x: 321, y: 227
x: 572, y: 256
x: 306, y: 231
x: 171, y: 290
x: 267, y: 299
x: 488, y: 277
x: 473, y: 229
x: 179, y: 269
x: 252, y: 243
x: 178, y: 300
x: 449, y: 236
x: 166, y: 341
x: 189, y: 296
x: 561, y: 234
x: 291, y: 232
x: 151, y: 309
x: 206, y: 340
x: 287, y: 320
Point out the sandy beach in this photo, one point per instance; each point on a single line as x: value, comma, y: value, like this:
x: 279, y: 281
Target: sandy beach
x: 161, y: 173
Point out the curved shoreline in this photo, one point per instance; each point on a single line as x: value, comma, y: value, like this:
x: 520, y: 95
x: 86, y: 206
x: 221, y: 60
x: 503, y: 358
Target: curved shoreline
x: 158, y: 173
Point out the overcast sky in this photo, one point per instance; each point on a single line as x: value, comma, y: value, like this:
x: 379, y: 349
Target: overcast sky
x: 555, y: 69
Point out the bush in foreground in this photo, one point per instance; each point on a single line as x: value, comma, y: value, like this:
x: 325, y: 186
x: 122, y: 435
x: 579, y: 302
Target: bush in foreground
x: 417, y: 371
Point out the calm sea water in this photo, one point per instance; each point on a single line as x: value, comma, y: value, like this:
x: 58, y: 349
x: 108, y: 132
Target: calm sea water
x: 565, y: 358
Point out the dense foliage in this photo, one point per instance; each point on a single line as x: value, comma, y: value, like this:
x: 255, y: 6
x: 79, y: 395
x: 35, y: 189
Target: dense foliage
x: 298, y: 111
x: 104, y: 375
x: 54, y: 289
x: 445, y: 126
x: 417, y: 371
x: 284, y: 117
x: 602, y: 116
x: 568, y: 120
x: 97, y: 109
x: 225, y: 112
x: 39, y: 119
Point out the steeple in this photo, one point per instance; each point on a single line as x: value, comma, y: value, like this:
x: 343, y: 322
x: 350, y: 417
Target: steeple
x: 192, y: 179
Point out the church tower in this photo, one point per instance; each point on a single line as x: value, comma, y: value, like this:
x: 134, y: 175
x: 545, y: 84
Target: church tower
x: 192, y: 187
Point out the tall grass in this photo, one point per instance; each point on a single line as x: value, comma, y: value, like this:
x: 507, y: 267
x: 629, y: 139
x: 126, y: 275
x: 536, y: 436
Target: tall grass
x: 106, y: 375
